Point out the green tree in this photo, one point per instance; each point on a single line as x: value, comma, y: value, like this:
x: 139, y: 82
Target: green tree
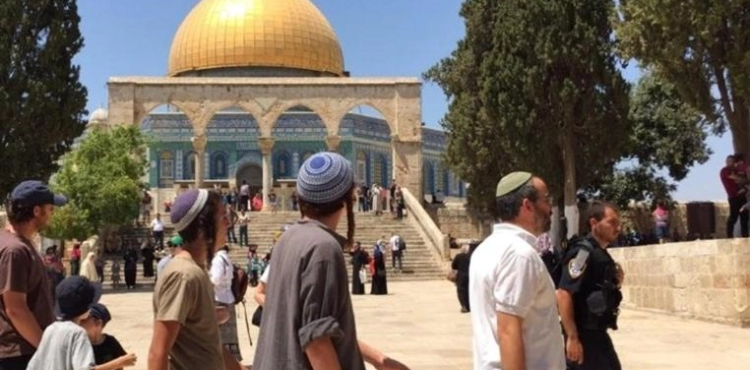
x: 42, y: 102
x: 699, y: 46
x: 668, y: 137
x: 102, y: 178
x: 534, y: 85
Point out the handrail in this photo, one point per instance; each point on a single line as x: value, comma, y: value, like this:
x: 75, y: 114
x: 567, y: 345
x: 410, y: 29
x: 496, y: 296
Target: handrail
x: 438, y: 240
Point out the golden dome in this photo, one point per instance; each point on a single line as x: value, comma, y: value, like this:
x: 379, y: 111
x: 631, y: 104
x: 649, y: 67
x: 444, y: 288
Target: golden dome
x: 256, y: 33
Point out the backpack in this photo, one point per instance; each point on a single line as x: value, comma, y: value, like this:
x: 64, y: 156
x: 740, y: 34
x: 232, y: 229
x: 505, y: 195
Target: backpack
x: 240, y: 282
x: 401, y: 244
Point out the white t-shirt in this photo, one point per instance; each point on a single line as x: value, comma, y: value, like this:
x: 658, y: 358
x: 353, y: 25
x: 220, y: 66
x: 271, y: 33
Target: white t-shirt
x: 394, y: 243
x: 221, y: 274
x: 507, y: 275
x: 157, y: 225
x: 65, y: 344
x: 264, y: 275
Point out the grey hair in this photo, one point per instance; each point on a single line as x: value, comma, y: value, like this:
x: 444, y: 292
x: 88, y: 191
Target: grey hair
x: 509, y: 205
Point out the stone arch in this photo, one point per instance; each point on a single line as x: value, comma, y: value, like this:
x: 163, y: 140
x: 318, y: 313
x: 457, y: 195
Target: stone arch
x: 296, y: 121
x: 219, y: 165
x: 383, y: 111
x: 143, y: 110
x: 250, y: 108
x: 279, y: 108
x: 282, y: 164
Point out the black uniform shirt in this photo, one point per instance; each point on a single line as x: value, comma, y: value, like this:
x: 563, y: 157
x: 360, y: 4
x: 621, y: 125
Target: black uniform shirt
x: 583, y: 279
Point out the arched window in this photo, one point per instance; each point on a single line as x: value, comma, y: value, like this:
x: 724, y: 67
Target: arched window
x: 189, y: 168
x: 384, y: 180
x: 219, y: 166
x: 166, y: 165
x: 283, y: 161
x: 361, y: 170
x: 429, y: 178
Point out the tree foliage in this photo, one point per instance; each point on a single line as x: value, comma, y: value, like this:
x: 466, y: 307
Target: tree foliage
x: 668, y: 137
x: 102, y: 178
x: 531, y: 81
x: 700, y: 47
x: 42, y: 102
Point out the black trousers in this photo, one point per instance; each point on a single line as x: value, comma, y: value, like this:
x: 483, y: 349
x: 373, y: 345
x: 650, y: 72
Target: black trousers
x: 462, y: 290
x: 598, y: 352
x: 15, y: 363
x: 735, y: 203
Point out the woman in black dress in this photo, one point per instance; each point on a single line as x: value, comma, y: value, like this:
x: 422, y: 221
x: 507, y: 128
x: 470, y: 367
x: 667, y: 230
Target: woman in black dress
x: 147, y: 251
x: 379, y: 283
x: 360, y: 259
x: 131, y: 268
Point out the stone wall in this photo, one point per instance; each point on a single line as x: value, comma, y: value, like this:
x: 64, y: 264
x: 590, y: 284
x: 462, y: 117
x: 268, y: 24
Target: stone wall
x: 461, y: 223
x: 455, y: 219
x: 707, y: 279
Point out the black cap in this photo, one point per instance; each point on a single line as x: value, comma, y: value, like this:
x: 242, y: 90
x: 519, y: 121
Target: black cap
x: 100, y: 311
x: 32, y: 193
x: 75, y: 295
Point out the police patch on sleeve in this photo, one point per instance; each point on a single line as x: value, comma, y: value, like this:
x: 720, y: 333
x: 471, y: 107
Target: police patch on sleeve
x: 577, y: 265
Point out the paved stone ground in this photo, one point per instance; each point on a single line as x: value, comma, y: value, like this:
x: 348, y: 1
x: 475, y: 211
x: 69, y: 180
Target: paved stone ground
x: 419, y: 323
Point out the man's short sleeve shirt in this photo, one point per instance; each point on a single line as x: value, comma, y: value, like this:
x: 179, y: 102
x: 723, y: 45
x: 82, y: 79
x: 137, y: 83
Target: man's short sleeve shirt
x: 22, y: 271
x: 506, y: 275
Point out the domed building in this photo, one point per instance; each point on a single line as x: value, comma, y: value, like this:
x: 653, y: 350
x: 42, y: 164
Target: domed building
x: 254, y: 87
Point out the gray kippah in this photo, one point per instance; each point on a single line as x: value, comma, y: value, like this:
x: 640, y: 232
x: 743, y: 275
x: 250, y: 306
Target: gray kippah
x: 512, y: 182
x: 324, y: 177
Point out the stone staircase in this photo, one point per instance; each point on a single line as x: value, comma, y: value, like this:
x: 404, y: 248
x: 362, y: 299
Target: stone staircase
x: 420, y: 262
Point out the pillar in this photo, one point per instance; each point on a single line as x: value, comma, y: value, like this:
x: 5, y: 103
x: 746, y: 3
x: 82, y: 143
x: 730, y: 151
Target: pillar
x: 199, y: 145
x: 333, y: 142
x: 407, y: 165
x: 266, y: 149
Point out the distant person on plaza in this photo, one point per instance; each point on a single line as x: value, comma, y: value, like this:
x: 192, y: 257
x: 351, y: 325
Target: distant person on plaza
x: 512, y: 296
x: 88, y: 270
x: 54, y: 266
x: 734, y: 184
x: 75, y: 259
x: 589, y: 293
x: 232, y: 217
x: 108, y: 352
x: 244, y: 195
x: 460, y: 265
x: 115, y: 274
x: 186, y: 334
x: 360, y: 263
x: 99, y: 263
x: 661, y: 222
x: 221, y: 273
x: 65, y: 342
x: 243, y: 220
x: 308, y: 323
x: 257, y: 202
x: 25, y: 297
x: 131, y: 267
x: 157, y: 228
x: 379, y: 285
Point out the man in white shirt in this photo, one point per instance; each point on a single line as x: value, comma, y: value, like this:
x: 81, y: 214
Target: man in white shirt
x: 512, y: 297
x: 397, y: 255
x: 157, y: 228
x: 221, y: 274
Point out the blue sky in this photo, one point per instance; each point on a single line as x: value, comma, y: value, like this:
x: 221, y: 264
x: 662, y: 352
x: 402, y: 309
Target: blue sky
x: 379, y: 38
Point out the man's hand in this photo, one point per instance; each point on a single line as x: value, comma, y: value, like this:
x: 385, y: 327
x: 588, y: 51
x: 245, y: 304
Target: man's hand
x: 574, y: 350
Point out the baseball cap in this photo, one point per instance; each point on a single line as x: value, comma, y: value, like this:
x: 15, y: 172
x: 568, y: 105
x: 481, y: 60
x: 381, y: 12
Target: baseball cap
x: 74, y: 295
x: 32, y: 193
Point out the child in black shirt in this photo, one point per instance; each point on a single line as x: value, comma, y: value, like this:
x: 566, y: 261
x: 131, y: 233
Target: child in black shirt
x: 107, y: 350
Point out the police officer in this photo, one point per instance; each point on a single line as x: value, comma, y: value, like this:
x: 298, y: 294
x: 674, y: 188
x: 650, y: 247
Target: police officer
x: 588, y: 294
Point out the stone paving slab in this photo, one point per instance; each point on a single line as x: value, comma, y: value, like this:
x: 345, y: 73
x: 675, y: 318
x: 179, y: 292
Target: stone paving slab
x: 419, y: 323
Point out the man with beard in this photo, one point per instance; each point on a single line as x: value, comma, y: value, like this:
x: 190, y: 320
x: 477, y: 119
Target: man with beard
x: 186, y: 331
x: 512, y: 297
x: 25, y: 296
x: 589, y: 293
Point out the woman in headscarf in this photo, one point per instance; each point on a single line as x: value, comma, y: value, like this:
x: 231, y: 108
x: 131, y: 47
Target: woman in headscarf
x: 360, y: 260
x: 88, y: 270
x: 379, y: 283
x: 131, y: 267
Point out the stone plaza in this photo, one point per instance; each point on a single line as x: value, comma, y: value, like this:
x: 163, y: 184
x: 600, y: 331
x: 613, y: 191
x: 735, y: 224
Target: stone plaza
x: 419, y: 323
